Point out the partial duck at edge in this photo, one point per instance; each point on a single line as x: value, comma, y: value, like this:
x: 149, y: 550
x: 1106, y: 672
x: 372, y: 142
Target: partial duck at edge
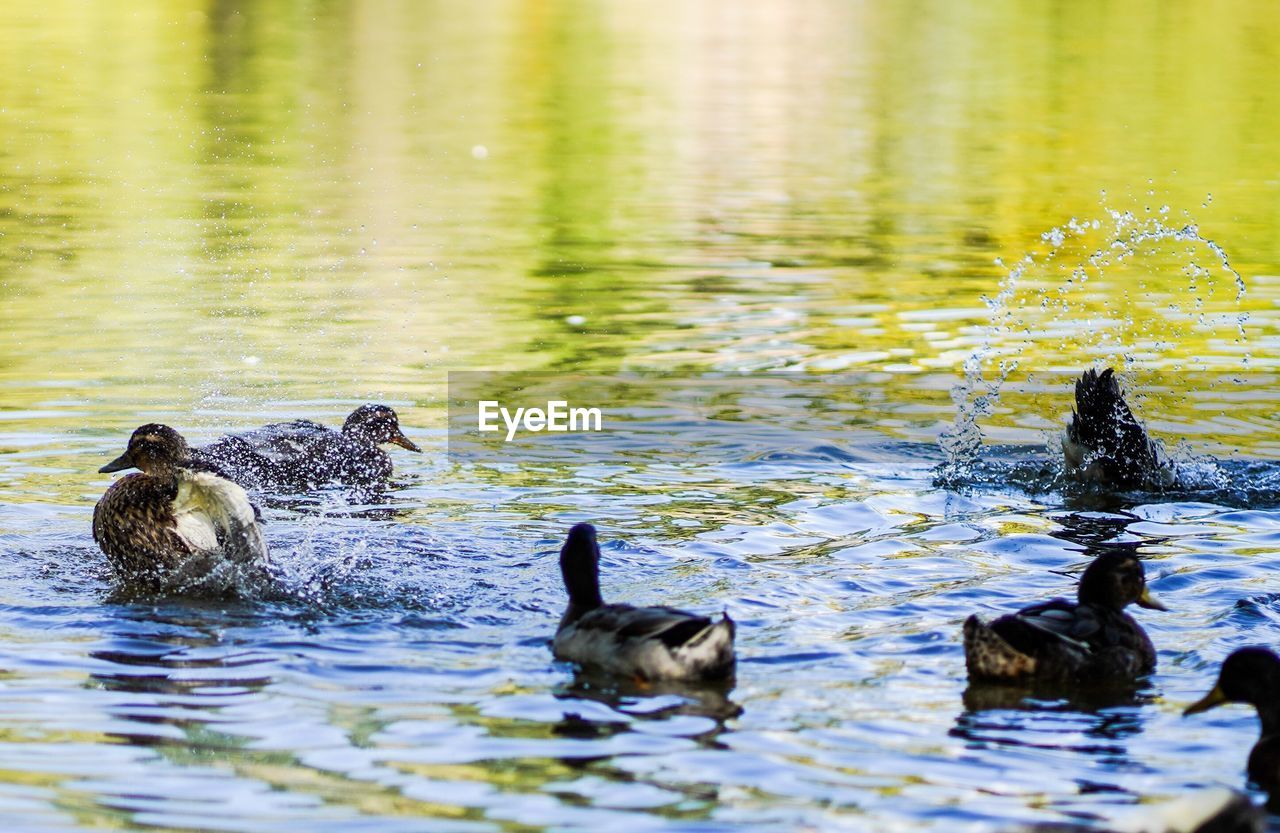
x: 1252, y: 676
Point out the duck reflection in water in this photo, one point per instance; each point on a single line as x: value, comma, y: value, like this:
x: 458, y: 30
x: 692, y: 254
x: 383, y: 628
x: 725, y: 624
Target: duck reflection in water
x: 635, y: 700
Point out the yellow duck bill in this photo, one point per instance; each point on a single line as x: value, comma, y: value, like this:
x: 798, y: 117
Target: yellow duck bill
x: 1149, y: 601
x: 1211, y: 700
x: 404, y: 442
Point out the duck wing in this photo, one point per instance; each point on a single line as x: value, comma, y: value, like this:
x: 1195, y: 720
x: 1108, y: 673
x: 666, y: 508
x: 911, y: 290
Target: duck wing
x: 649, y: 643
x: 284, y: 441
x: 277, y: 454
x: 212, y: 513
x: 670, y: 626
x: 1057, y: 620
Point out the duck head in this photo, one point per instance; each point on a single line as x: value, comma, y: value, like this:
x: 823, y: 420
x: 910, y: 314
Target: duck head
x: 1116, y: 580
x: 580, y: 567
x: 378, y: 424
x: 153, y: 449
x: 1249, y: 675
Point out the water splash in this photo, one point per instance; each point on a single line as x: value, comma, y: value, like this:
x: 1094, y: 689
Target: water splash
x: 1073, y: 255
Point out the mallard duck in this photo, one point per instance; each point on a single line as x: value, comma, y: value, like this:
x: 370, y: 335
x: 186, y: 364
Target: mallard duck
x: 179, y: 525
x: 1104, y: 443
x: 1252, y: 675
x: 644, y: 643
x: 303, y: 453
x: 1091, y: 640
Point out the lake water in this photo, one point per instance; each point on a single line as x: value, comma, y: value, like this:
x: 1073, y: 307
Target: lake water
x: 222, y: 214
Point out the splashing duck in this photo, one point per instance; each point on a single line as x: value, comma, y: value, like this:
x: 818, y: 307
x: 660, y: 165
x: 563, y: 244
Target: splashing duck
x: 303, y: 454
x: 1105, y: 444
x: 643, y: 643
x: 1089, y: 641
x: 177, y: 525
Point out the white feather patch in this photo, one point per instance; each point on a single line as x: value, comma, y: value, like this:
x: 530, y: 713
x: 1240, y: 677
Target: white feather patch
x: 212, y: 513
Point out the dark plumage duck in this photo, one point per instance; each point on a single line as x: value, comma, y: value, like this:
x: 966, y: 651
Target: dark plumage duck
x: 1104, y: 443
x: 179, y: 525
x: 1089, y: 641
x: 1252, y: 675
x: 303, y: 453
x: 645, y: 643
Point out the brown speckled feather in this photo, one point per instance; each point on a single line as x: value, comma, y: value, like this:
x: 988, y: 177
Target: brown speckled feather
x: 134, y: 525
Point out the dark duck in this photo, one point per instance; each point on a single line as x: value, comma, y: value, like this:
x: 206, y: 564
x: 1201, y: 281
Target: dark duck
x: 1105, y: 444
x: 1060, y: 642
x: 641, y: 643
x: 303, y: 454
x: 177, y: 525
x: 1252, y: 676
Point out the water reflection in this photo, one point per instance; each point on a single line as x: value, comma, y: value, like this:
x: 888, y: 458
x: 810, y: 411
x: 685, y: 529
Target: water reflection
x: 657, y: 700
x: 258, y: 210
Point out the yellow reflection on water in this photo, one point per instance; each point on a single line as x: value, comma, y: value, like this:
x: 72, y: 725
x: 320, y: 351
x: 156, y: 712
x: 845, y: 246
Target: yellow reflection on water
x: 206, y: 203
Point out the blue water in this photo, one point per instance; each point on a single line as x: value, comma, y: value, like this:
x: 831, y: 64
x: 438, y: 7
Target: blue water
x: 404, y: 681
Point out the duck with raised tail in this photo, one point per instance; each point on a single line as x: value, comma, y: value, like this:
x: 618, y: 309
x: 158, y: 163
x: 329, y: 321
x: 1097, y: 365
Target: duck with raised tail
x: 178, y: 525
x: 1252, y: 676
x: 643, y: 643
x: 1104, y: 443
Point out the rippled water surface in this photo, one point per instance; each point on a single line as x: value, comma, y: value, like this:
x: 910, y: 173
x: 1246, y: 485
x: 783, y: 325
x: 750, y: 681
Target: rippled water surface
x: 221, y: 214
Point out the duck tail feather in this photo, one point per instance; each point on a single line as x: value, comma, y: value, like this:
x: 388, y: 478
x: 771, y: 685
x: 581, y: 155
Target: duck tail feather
x: 988, y: 656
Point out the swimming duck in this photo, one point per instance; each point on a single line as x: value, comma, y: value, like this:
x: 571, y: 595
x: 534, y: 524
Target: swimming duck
x: 1252, y: 675
x: 1104, y: 442
x: 179, y: 525
x: 1091, y: 640
x: 303, y: 453
x: 644, y: 643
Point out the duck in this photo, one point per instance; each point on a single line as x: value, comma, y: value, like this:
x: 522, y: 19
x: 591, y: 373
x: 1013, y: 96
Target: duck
x: 177, y: 524
x: 303, y: 454
x: 1059, y: 642
x: 1105, y: 444
x: 1252, y: 676
x: 642, y: 644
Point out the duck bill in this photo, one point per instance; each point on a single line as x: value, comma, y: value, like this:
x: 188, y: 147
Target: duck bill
x: 124, y: 461
x: 1211, y: 700
x: 404, y: 442
x: 1150, y: 602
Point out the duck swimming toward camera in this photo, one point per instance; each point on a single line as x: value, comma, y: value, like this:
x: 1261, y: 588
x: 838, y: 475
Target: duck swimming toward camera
x: 303, y: 454
x: 1105, y: 444
x: 646, y: 643
x: 1089, y: 641
x: 1252, y: 676
x: 177, y: 525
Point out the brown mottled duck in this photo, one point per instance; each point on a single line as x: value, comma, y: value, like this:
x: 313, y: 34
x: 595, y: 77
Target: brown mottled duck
x: 177, y: 525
